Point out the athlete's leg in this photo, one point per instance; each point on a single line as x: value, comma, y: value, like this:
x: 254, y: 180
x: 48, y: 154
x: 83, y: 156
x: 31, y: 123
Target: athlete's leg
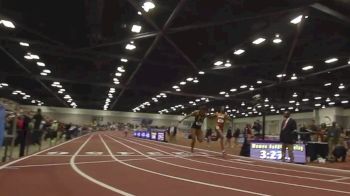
x: 193, y: 137
x: 220, y: 135
x: 199, y: 134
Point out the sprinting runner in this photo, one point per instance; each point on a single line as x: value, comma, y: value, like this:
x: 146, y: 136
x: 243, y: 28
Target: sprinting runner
x: 221, y: 118
x: 196, y: 128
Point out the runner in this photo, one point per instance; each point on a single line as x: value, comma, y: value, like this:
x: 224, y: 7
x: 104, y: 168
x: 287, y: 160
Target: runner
x: 221, y: 118
x: 196, y: 128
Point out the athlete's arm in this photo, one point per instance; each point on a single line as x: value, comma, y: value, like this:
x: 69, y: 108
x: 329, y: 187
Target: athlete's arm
x: 192, y: 114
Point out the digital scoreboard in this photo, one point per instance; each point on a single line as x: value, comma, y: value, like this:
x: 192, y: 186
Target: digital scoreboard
x: 273, y: 151
x: 157, y: 135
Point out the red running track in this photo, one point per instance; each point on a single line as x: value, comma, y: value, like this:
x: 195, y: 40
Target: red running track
x: 106, y: 163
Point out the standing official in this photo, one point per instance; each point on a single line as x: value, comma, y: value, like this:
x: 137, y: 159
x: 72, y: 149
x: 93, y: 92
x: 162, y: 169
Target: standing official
x: 288, y: 136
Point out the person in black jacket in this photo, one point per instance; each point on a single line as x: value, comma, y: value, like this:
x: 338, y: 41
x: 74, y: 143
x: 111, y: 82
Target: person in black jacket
x: 288, y: 136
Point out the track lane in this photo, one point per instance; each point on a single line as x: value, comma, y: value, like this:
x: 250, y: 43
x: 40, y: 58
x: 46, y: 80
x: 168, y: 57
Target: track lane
x: 220, y: 162
x: 53, y: 180
x: 172, y: 184
x: 278, y: 166
x: 263, y: 184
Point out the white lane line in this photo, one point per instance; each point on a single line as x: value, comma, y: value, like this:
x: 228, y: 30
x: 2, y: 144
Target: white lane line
x: 59, y: 164
x: 262, y: 166
x: 335, y: 180
x: 93, y: 180
x: 235, y: 168
x: 169, y: 176
x: 231, y: 175
x: 35, y: 154
x: 143, y: 159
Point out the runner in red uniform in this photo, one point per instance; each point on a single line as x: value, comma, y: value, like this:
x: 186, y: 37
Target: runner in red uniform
x: 221, y: 118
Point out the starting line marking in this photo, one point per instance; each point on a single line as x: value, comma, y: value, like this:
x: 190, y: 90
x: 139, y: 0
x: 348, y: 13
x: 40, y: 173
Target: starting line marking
x: 57, y: 153
x: 94, y: 153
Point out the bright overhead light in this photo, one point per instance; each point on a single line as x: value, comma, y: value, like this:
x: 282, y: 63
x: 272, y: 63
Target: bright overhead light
x: 259, y: 41
x: 43, y: 74
x: 148, y: 5
x: 118, y: 74
x: 7, y: 24
x: 317, y: 104
x: 331, y: 60
x: 222, y: 93
x: 189, y: 79
x: 281, y: 75
x: 227, y: 95
x: 116, y: 82
x: 328, y: 84
x: 328, y: 99
x: 291, y: 101
x: 4, y: 84
x: 41, y: 64
x: 130, y: 46
x: 243, y: 86
x: 28, y: 57
x: 33, y: 56
x: 201, y: 72
x: 139, y: 13
x: 233, y: 90
x: 294, y: 77
x: 183, y: 83
x: 218, y: 63
x: 277, y: 40
x: 295, y: 95
x: 297, y: 19
x: 344, y: 101
x: 239, y: 52
x: 24, y: 44
x: 297, y: 103
x: 318, y: 98
x: 341, y: 86
x: 136, y: 28
x: 176, y: 87
x: 308, y: 67
x: 124, y: 60
x: 290, y: 108
x: 331, y: 103
x: 336, y: 95
x: 242, y: 104
x: 305, y: 99
x: 195, y: 80
x: 251, y: 88
x: 227, y: 64
x: 259, y: 82
x: 121, y: 69
x: 46, y: 71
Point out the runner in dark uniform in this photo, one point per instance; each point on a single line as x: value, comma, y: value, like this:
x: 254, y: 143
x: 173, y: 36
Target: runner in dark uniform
x: 196, y: 128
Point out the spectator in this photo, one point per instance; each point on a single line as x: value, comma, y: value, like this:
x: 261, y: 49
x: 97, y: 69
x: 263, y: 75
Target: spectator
x: 304, y: 134
x: 37, y: 132
x: 333, y: 134
x: 236, y: 136
x: 257, y: 128
x: 248, y: 136
x: 288, y: 136
x: 228, y: 137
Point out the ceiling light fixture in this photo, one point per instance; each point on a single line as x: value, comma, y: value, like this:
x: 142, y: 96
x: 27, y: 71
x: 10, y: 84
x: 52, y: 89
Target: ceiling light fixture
x: 341, y: 86
x: 239, y: 52
x: 201, y: 72
x: 297, y: 19
x: 277, y: 39
x: 308, y: 67
x: 24, y: 44
x: 328, y: 84
x: 41, y: 64
x: 183, y: 83
x: 124, y: 60
x: 259, y: 41
x: 233, y: 90
x: 136, y: 28
x: 318, y: 98
x: 294, y: 77
x: 331, y: 60
x: 121, y: 69
x: 130, y: 46
x: 228, y: 64
x: 218, y: 63
x: 344, y: 101
x: 259, y: 82
x: 243, y: 86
